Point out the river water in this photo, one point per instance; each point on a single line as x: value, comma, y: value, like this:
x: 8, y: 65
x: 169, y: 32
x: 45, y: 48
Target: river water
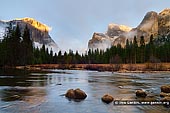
x: 32, y: 92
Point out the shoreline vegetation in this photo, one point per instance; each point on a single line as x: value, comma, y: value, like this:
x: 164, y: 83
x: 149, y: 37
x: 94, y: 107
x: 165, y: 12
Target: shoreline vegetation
x: 121, y: 68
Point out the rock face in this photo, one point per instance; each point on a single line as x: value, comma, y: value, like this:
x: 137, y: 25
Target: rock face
x: 104, y: 41
x: 3, y: 26
x: 76, y: 94
x: 39, y: 32
x: 100, y: 41
x: 149, y: 25
x: 164, y: 22
x: 152, y: 24
x: 107, y: 98
x: 115, y: 30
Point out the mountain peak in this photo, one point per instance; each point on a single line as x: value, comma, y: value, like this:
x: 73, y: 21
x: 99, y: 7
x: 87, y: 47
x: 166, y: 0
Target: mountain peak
x: 165, y: 11
x: 115, y: 30
x: 153, y: 23
x: 164, y: 22
x: 38, y: 32
x: 149, y: 23
x: 35, y: 23
x: 121, y: 27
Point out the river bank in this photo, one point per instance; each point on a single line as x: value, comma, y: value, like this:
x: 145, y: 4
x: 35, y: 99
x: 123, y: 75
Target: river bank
x: 139, y: 68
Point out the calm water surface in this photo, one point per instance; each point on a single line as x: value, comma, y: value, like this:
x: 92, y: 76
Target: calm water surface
x: 23, y: 92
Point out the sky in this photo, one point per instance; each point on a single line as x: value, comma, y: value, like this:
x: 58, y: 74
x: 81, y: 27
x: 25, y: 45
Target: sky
x: 73, y: 22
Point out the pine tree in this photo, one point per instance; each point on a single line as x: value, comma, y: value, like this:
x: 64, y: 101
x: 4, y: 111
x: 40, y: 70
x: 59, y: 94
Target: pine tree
x: 151, y: 46
x: 78, y: 58
x: 90, y: 56
x: 6, y: 49
x: 127, y: 51
x: 16, y: 46
x: 43, y: 54
x: 55, y: 61
x: 142, y: 49
x: 59, y: 58
x: 134, y: 49
x: 37, y: 56
x: 27, y: 47
x: 51, y: 55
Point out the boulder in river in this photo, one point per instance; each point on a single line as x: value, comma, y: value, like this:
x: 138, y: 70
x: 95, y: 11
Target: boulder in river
x: 70, y: 94
x: 79, y: 94
x: 162, y: 94
x: 166, y: 101
x: 75, y: 94
x: 141, y: 93
x: 107, y: 98
x: 165, y: 88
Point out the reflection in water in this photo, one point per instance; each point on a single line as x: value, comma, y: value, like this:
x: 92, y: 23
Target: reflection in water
x: 23, y: 91
x: 12, y: 94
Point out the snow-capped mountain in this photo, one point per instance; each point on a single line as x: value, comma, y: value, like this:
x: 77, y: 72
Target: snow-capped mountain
x: 153, y: 23
x: 39, y: 32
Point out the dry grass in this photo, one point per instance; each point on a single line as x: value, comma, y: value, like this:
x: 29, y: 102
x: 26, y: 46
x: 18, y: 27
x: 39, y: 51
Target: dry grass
x: 105, y: 67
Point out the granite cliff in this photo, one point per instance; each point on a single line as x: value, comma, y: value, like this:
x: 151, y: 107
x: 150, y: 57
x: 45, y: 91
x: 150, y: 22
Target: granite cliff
x: 153, y: 24
x: 39, y: 32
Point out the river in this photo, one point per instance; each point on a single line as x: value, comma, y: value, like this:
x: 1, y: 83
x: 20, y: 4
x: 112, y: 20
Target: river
x: 32, y: 92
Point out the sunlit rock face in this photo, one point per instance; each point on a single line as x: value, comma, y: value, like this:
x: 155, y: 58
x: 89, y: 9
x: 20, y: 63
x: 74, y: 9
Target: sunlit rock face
x: 39, y: 32
x: 152, y: 24
x: 104, y: 41
x: 117, y: 30
x: 148, y: 27
x: 35, y: 23
x: 164, y: 22
x: 100, y: 41
x: 149, y: 24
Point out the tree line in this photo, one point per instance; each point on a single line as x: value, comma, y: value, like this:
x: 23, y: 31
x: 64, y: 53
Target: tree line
x: 135, y: 51
x: 17, y: 48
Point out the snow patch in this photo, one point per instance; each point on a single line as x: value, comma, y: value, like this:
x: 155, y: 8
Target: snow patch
x: 2, y: 29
